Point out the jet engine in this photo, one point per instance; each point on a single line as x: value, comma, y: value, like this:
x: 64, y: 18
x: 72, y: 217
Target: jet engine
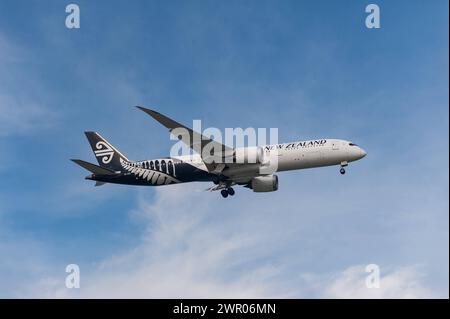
x: 267, y: 183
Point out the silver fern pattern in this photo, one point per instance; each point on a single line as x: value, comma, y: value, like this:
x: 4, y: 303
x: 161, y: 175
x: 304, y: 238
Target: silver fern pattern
x: 156, y: 172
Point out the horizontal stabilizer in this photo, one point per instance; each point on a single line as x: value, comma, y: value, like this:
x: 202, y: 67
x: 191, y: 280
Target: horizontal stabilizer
x: 94, y: 168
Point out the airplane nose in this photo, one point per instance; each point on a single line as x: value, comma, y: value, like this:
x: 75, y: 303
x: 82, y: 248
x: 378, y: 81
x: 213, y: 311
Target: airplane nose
x: 362, y: 152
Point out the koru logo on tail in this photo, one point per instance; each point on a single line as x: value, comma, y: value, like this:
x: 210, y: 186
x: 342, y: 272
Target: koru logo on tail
x: 104, y: 151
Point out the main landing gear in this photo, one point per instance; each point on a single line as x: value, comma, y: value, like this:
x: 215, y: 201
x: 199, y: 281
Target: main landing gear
x: 226, y: 192
x: 343, y: 165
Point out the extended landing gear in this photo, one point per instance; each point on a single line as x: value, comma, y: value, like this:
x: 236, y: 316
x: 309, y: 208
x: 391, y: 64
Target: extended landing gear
x: 226, y: 192
x: 343, y: 165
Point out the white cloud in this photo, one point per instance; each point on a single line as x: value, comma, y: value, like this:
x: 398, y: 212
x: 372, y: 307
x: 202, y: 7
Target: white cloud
x: 400, y: 282
x: 24, y: 261
x: 182, y: 255
x: 194, y: 247
x: 20, y: 115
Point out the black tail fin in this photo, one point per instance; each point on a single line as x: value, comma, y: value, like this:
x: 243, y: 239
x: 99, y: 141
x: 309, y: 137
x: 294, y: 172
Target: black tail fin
x: 107, y: 155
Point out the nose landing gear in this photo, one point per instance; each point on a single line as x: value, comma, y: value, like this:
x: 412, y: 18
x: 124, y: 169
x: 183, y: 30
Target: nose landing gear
x: 343, y: 165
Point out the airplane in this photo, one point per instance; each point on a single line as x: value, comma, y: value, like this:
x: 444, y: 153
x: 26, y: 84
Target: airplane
x: 203, y: 166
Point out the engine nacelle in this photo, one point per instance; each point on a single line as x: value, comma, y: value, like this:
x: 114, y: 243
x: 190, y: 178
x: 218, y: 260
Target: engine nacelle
x: 268, y: 183
x: 251, y: 155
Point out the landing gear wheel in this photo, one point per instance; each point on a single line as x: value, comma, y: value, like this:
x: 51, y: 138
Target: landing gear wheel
x: 230, y: 191
x: 224, y: 193
x: 342, y: 171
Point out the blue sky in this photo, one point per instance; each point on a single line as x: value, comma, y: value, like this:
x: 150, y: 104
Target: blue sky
x: 311, y: 69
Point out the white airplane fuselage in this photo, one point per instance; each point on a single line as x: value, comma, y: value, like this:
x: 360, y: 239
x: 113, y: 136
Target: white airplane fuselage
x: 225, y: 166
x: 295, y: 156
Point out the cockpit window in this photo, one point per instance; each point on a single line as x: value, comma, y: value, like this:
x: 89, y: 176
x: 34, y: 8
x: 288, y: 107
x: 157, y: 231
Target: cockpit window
x: 352, y: 144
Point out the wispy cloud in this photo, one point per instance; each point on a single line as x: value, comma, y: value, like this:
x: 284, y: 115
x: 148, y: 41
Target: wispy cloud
x: 21, y: 110
x: 21, y: 115
x: 398, y: 282
x: 192, y: 250
x: 183, y: 254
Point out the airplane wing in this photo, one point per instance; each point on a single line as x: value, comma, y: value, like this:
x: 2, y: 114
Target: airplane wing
x: 206, y: 147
